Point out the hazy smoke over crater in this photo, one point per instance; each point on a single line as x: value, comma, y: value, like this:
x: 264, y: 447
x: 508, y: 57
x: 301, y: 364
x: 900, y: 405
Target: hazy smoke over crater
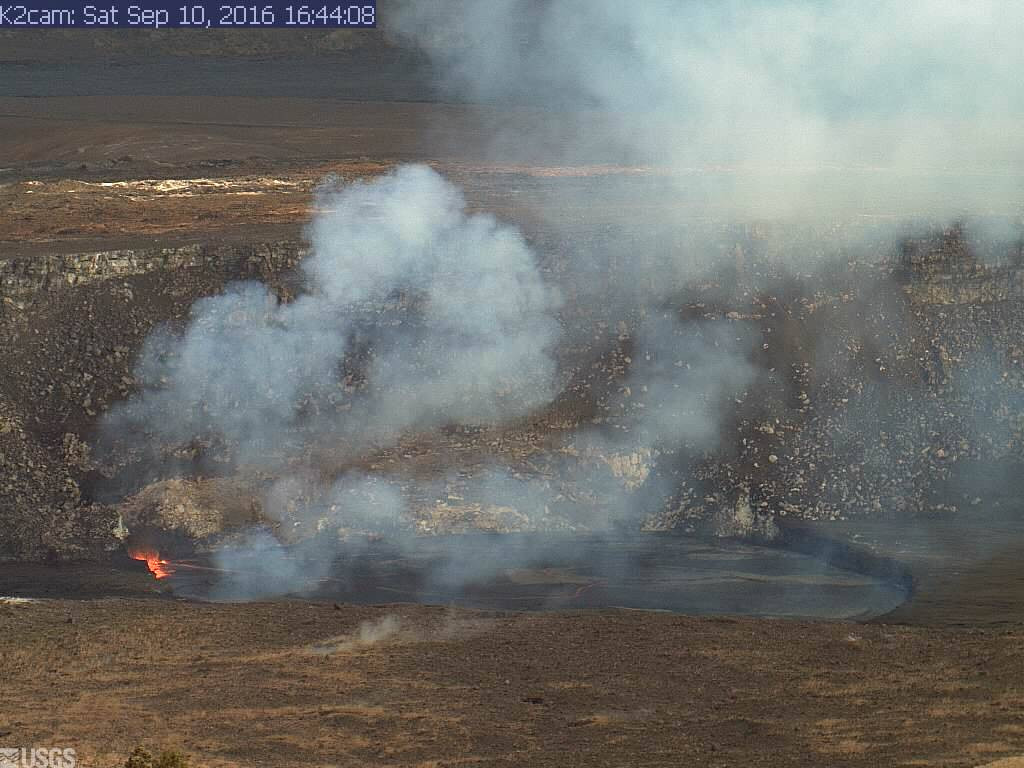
x: 417, y: 315
x: 764, y: 108
x: 476, y: 348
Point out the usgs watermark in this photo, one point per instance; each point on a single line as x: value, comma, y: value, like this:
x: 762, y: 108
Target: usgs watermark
x: 37, y: 757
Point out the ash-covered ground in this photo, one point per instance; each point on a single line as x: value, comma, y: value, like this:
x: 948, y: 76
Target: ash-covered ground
x: 308, y: 336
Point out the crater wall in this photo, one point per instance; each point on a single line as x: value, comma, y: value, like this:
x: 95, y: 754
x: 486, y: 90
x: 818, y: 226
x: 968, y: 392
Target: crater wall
x: 884, y: 390
x: 70, y: 327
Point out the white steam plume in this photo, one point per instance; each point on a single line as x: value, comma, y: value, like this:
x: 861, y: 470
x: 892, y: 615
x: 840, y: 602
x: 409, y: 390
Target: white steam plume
x: 255, y: 371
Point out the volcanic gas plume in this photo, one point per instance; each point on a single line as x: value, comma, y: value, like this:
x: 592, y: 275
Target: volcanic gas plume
x: 416, y: 316
x: 265, y: 375
x: 455, y: 325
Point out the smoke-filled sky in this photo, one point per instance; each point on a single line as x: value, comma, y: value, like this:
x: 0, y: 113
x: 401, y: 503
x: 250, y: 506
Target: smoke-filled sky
x: 905, y: 106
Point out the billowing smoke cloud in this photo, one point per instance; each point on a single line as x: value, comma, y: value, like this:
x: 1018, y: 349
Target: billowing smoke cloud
x: 671, y: 404
x: 768, y: 108
x: 474, y: 346
x: 416, y: 315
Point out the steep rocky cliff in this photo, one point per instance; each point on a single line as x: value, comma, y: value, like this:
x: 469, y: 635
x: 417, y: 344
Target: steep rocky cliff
x: 70, y: 326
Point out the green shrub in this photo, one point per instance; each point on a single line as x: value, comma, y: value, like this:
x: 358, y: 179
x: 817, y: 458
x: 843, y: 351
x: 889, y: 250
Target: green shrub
x: 143, y: 758
x: 139, y: 758
x: 171, y: 758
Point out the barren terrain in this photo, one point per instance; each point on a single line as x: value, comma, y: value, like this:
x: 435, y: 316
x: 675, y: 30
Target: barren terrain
x: 294, y: 684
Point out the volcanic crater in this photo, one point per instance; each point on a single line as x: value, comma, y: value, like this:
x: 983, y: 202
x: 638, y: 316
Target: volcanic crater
x: 864, y: 472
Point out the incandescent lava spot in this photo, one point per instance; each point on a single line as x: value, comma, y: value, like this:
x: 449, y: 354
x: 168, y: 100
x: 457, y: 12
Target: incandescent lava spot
x: 159, y: 567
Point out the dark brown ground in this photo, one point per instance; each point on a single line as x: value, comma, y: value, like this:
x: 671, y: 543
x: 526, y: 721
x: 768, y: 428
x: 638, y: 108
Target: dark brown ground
x: 291, y: 684
x: 285, y: 684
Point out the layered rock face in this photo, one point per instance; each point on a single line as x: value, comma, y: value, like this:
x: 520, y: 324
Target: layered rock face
x: 26, y: 282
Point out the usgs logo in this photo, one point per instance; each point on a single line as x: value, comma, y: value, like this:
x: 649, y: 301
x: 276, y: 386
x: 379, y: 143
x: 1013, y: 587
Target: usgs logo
x: 37, y: 757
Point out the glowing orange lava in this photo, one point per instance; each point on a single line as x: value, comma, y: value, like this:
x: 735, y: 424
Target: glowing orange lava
x: 161, y: 569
